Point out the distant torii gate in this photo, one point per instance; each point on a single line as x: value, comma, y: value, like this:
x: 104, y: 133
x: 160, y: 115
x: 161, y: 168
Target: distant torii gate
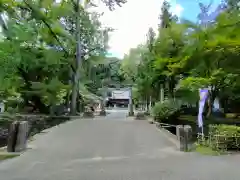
x: 122, y: 95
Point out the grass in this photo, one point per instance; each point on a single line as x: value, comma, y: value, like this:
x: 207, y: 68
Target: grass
x: 7, y: 156
x: 205, y: 150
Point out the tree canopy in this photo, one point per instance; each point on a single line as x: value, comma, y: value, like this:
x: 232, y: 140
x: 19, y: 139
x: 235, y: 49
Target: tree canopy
x: 185, y: 56
x: 39, y: 46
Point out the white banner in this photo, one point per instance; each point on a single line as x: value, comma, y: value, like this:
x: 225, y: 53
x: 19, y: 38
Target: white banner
x: 203, y: 93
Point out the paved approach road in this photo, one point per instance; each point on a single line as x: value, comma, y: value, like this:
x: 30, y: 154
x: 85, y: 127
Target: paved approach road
x: 113, y: 148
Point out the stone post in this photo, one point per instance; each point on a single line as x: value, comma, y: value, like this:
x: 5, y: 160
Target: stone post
x: 103, y: 111
x: 12, y: 136
x: 178, y: 128
x: 184, y: 134
x: 181, y: 137
x: 130, y: 105
x: 88, y: 113
x: 103, y: 103
x: 188, y: 137
x: 22, y: 135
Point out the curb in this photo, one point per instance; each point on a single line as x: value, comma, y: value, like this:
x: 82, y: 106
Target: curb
x: 171, y: 137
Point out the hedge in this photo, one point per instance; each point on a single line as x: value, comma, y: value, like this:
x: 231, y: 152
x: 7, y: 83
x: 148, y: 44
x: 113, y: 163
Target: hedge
x: 224, y: 137
x: 166, y: 111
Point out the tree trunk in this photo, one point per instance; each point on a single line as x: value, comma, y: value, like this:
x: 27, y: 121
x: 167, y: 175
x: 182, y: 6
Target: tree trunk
x: 212, y: 96
x: 75, y: 86
x: 171, y: 86
x: 162, y: 93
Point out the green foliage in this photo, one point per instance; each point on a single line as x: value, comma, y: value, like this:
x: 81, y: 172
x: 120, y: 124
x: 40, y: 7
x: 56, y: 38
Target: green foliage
x: 52, y: 93
x: 38, y: 47
x: 164, y: 111
x: 187, y: 96
x: 206, y: 150
x: 184, y: 57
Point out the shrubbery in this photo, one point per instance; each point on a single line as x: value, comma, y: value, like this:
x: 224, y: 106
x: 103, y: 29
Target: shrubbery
x: 224, y: 137
x: 166, y: 111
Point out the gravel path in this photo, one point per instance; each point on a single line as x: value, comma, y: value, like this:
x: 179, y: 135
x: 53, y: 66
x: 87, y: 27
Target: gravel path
x: 113, y: 148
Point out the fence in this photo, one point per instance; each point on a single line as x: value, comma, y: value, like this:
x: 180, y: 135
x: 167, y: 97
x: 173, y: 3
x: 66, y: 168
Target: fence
x: 220, y: 142
x: 216, y: 140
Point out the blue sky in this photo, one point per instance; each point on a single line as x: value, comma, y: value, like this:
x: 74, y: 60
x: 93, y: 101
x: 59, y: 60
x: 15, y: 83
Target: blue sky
x: 191, y: 8
x: 132, y: 21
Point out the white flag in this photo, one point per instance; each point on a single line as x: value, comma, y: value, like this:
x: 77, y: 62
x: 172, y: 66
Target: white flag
x: 203, y: 93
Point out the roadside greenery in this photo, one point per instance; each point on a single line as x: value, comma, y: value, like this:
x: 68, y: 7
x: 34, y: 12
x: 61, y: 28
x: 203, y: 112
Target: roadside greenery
x: 224, y: 137
x: 221, y: 139
x: 184, y: 56
x: 168, y: 70
x: 48, y: 49
x: 166, y: 110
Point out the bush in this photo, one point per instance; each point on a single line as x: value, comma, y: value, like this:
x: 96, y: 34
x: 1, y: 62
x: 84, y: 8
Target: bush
x: 224, y: 137
x: 166, y: 111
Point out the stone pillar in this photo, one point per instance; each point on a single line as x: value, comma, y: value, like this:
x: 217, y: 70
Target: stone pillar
x: 178, y: 129
x: 185, y: 136
x: 12, y: 136
x: 22, y: 135
x: 130, y: 105
x: 103, y: 111
x: 103, y: 103
x: 88, y: 113
x: 188, y: 137
x: 181, y: 137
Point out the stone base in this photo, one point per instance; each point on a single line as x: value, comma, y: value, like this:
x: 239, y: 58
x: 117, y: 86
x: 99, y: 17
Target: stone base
x: 88, y: 115
x: 102, y: 113
x: 130, y: 113
x: 151, y: 121
x: 140, y: 116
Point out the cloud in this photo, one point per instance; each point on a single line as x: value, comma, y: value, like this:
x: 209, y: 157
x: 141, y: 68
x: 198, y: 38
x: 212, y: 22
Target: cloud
x: 131, y: 23
x: 177, y: 10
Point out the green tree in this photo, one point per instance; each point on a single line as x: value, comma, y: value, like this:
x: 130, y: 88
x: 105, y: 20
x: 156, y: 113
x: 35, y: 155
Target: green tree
x: 39, y: 48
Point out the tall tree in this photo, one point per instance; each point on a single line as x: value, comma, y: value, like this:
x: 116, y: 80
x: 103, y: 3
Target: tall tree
x: 46, y: 31
x: 166, y: 16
